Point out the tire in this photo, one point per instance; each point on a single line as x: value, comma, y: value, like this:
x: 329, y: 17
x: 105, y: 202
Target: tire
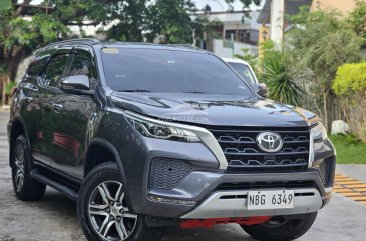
x: 25, y: 187
x: 280, y: 229
x: 97, y: 207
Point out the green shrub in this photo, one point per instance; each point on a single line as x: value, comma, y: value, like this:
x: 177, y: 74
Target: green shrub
x: 350, y: 79
x: 9, y: 87
x: 280, y: 79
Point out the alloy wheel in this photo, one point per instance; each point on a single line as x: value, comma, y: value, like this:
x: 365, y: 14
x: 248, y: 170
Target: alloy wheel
x: 19, y: 165
x: 108, y: 212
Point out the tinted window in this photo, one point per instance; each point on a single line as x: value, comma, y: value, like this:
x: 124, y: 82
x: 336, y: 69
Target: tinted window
x: 244, y: 71
x: 36, y: 65
x: 55, y: 70
x: 83, y: 65
x: 169, y: 71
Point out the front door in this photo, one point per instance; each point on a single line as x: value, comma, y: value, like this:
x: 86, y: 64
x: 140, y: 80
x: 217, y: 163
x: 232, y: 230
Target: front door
x: 47, y: 92
x: 73, y: 114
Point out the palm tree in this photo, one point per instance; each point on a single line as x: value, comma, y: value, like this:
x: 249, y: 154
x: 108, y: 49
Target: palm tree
x: 277, y: 74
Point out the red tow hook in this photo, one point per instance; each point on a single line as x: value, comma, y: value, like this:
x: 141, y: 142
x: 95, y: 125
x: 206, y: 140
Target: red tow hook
x: 209, y: 223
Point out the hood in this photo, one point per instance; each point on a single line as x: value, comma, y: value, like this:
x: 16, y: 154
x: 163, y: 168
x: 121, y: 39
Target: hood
x: 217, y: 110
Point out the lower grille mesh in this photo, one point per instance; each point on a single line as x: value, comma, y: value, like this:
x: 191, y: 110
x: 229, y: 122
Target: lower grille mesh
x: 167, y: 173
x: 326, y: 173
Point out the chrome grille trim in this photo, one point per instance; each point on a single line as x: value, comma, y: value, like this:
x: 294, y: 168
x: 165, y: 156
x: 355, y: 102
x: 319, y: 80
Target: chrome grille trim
x: 242, y: 152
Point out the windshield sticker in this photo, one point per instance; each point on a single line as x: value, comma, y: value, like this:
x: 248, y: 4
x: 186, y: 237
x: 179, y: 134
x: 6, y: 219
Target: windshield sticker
x: 110, y: 51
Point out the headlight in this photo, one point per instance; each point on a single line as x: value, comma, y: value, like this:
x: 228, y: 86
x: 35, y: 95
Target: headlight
x: 159, y: 129
x: 319, y: 133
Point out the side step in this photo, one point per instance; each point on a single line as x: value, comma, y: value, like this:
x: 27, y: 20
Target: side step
x: 54, y: 182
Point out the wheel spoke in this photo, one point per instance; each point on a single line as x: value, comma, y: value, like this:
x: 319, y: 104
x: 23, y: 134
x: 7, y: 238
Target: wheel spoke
x: 103, y: 194
x: 118, y: 192
x: 105, y: 222
x: 106, y: 231
x: 121, y: 232
x: 20, y: 154
x: 17, y: 162
x: 95, y: 209
x: 129, y: 215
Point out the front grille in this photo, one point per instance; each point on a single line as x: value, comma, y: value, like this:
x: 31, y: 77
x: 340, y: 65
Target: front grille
x: 243, y: 154
x: 264, y: 185
x: 167, y: 173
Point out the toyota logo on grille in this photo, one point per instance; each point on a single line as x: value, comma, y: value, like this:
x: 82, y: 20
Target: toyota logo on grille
x: 269, y: 141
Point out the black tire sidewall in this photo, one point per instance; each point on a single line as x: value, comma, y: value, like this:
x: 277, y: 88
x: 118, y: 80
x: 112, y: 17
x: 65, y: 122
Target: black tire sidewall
x: 32, y: 189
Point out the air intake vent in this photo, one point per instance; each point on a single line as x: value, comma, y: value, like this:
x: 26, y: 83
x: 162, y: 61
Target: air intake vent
x: 167, y: 173
x: 326, y: 171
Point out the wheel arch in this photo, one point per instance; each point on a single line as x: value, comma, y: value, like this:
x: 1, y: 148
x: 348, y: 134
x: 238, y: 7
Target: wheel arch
x: 101, y: 143
x: 17, y: 128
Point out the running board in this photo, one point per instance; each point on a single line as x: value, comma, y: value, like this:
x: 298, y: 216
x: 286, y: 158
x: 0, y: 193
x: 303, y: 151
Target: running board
x: 54, y: 182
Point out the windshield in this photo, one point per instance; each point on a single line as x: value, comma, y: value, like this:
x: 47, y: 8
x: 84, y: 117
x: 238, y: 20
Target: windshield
x: 157, y: 70
x: 244, y: 71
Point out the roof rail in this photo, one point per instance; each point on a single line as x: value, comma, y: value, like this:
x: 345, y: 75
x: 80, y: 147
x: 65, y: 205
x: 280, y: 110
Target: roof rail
x: 76, y: 41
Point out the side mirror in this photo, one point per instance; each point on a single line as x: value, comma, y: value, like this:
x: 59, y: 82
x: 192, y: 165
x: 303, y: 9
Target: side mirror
x: 262, y: 90
x: 76, y: 84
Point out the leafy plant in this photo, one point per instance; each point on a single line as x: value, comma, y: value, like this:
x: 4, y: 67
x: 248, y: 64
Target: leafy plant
x: 357, y: 19
x: 9, y: 88
x: 350, y: 79
x: 319, y: 43
x: 350, y: 86
x: 279, y: 78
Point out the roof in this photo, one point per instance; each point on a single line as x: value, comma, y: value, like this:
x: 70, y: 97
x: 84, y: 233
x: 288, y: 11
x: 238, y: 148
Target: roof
x: 115, y: 44
x: 292, y: 8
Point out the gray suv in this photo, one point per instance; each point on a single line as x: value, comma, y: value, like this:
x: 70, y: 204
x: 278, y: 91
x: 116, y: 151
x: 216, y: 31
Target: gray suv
x: 147, y: 136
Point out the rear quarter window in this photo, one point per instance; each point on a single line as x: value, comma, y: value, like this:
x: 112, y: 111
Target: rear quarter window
x: 37, y: 65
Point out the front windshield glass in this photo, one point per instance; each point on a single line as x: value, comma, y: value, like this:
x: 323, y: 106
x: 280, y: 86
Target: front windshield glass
x: 170, y: 71
x: 244, y: 71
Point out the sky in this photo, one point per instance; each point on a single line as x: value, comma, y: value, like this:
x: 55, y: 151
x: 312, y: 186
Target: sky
x: 216, y: 5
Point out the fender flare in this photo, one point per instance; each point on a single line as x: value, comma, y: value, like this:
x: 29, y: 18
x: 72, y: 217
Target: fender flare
x: 107, y: 145
x: 17, y: 119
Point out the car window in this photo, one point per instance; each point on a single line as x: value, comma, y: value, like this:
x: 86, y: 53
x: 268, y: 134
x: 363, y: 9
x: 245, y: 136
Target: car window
x: 244, y: 71
x: 82, y: 65
x: 37, y: 65
x: 170, y: 71
x: 55, y: 70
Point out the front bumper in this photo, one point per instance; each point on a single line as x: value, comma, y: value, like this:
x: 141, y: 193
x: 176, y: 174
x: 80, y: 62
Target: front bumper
x: 204, y: 188
x: 227, y: 204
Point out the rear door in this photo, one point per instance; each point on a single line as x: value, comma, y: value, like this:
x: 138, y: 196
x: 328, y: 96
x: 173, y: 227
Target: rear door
x: 72, y: 118
x: 48, y: 91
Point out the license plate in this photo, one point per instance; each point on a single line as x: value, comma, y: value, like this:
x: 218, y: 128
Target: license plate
x: 278, y: 199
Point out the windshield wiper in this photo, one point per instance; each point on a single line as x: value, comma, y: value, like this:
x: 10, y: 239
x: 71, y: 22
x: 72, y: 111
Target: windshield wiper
x: 136, y: 90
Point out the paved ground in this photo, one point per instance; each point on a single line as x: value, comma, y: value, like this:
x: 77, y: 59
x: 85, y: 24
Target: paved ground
x: 54, y: 218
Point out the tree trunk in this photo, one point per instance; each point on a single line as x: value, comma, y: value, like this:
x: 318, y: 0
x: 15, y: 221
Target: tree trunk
x: 325, y: 110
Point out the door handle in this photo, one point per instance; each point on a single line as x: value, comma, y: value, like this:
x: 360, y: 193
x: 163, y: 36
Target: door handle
x: 28, y: 99
x: 57, y: 107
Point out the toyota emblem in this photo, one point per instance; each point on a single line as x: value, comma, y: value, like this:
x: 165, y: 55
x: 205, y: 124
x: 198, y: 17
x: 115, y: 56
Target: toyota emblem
x: 269, y: 141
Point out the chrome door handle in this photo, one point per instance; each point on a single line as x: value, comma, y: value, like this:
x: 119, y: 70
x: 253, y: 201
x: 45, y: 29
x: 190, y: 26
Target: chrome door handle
x: 28, y: 99
x: 57, y: 106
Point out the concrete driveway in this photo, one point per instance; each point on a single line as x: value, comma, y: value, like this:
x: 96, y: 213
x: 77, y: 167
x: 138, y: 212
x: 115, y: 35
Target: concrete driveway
x: 54, y: 217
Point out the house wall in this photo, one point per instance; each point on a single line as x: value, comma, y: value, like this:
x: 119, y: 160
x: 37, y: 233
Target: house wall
x: 223, y: 52
x: 342, y: 5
